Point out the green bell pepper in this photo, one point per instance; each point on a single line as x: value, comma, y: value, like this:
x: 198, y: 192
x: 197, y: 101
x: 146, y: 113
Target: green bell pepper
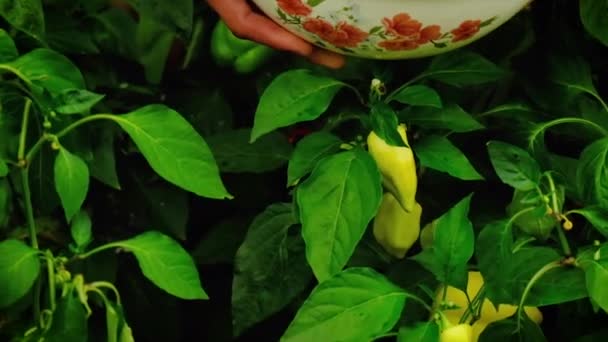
x: 245, y: 56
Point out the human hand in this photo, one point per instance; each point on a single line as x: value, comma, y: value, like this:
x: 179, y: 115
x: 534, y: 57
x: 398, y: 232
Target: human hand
x: 245, y: 23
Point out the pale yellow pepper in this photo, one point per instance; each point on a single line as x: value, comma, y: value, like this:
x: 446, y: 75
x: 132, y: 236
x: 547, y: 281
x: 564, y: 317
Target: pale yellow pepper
x: 398, y: 167
x: 395, y: 229
x: 457, y: 333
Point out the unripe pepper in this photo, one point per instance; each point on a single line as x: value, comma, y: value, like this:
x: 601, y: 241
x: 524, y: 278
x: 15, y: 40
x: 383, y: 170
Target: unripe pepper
x: 395, y: 229
x: 457, y: 333
x: 398, y: 167
x: 488, y: 312
x: 243, y: 55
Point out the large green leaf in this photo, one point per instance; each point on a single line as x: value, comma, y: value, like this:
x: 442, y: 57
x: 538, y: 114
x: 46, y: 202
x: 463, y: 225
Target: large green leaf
x: 463, y: 68
x: 270, y: 268
x: 592, y: 173
x: 8, y: 50
x: 384, y: 122
x: 451, y: 117
x: 234, y: 153
x: 24, y: 15
x: 19, y: 269
x: 594, y: 15
x: 437, y: 152
x: 357, y: 304
x: 71, y: 176
x: 292, y: 97
x: 596, y: 276
x: 308, y: 152
x: 514, y: 165
x: 337, y: 202
x: 164, y: 262
x: 418, y: 95
x: 174, y: 149
x: 48, y: 69
x: 453, y: 246
x: 69, y: 322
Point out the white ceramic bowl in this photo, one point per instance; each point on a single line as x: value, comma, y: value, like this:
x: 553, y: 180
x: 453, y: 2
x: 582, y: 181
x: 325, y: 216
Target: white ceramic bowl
x: 391, y: 29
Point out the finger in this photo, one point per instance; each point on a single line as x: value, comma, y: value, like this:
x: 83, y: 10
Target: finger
x: 327, y: 58
x: 245, y: 23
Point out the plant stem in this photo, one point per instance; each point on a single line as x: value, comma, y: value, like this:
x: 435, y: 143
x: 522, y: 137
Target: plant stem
x: 97, y: 250
x: 50, y: 267
x: 548, y: 267
x: 23, y: 133
x: 560, y: 233
x: 29, y: 210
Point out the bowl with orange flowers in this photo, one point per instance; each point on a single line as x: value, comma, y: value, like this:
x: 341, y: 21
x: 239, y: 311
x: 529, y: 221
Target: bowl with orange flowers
x: 391, y: 29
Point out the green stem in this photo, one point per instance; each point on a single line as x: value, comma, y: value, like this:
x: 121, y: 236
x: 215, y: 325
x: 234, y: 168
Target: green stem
x: 518, y: 214
x: 391, y: 96
x: 29, y: 210
x: 548, y: 267
x: 107, y: 285
x: 98, y: 249
x: 556, y: 122
x: 50, y: 267
x: 556, y: 210
x: 23, y: 133
x: 420, y: 301
x: 393, y: 334
x: 85, y: 120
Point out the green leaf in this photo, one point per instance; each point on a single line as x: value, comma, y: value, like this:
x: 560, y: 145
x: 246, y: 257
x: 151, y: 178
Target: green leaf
x: 308, y: 152
x: 572, y: 72
x: 463, y: 68
x: 437, y: 152
x: 153, y: 43
x: 165, y: 263
x: 24, y: 15
x: 48, y: 69
x: 293, y: 96
x: 174, y: 149
x: 384, y: 123
x: 71, y: 181
x: 336, y: 203
x: 176, y: 15
x: 270, y: 268
x: 597, y: 216
x: 357, y: 304
x: 234, y: 153
x: 8, y: 50
x: 514, y: 166
x: 5, y: 203
x: 220, y: 244
x: 451, y: 117
x: 493, y: 251
x: 592, y: 173
x: 560, y: 285
x: 453, y: 246
x: 76, y: 101
x: 19, y: 269
x: 314, y: 3
x: 508, y: 330
x: 418, y: 95
x: 596, y: 277
x: 420, y: 332
x: 3, y: 168
x: 80, y: 228
x: 594, y: 15
x: 116, y: 326
x: 103, y: 163
x: 69, y: 322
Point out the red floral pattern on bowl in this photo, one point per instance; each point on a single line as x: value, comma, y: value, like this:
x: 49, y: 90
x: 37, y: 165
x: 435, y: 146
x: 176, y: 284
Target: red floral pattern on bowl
x: 400, y: 35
